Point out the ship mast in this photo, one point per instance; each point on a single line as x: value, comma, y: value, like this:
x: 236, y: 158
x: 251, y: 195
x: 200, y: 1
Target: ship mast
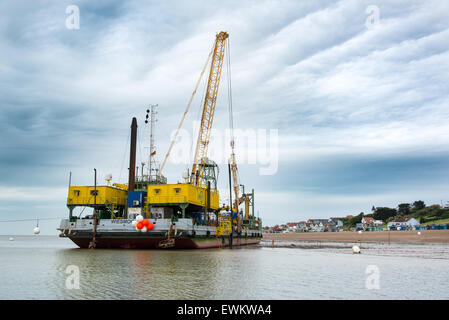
x: 153, y: 170
x: 151, y: 118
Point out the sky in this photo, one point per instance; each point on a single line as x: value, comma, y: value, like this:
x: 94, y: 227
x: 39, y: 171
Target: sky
x: 346, y: 101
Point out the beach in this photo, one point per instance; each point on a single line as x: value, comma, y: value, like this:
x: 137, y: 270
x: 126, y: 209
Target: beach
x: 425, y: 236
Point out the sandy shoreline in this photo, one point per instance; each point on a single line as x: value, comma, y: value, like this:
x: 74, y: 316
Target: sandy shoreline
x: 427, y: 236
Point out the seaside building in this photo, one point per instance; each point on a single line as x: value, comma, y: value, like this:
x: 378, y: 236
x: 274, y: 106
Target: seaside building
x: 367, y: 222
x: 317, y: 225
x: 318, y: 221
x: 338, y: 222
x: 378, y: 223
x: 402, y: 224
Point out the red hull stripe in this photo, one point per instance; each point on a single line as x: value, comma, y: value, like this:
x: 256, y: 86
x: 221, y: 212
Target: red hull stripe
x: 153, y: 243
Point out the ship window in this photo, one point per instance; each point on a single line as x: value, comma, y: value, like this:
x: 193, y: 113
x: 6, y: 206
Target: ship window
x: 177, y: 190
x: 157, y: 191
x: 76, y: 193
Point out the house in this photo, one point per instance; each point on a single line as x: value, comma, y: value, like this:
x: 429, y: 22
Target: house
x: 378, y: 223
x: 302, y: 226
x: 402, y: 223
x: 337, y: 222
x: 367, y: 222
x: 318, y: 221
x: 308, y: 226
x: 317, y: 225
x: 349, y: 216
x: 413, y: 222
x: 292, y: 226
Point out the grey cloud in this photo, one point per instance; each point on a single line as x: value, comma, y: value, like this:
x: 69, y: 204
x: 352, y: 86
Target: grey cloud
x: 311, y: 69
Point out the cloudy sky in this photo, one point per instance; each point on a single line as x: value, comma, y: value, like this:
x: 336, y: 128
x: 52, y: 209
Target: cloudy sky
x: 357, y: 91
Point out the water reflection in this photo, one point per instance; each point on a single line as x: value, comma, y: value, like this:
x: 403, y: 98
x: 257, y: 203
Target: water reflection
x: 148, y: 274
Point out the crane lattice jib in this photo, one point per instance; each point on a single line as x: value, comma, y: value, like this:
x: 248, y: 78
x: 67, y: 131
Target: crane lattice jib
x: 207, y: 116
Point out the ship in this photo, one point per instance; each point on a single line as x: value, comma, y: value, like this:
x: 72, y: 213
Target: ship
x: 148, y: 212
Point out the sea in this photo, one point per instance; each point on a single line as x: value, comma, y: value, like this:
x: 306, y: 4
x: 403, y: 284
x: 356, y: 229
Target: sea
x: 49, y: 267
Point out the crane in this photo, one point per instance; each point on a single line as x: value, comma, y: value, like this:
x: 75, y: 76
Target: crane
x: 198, y: 179
x: 207, y: 117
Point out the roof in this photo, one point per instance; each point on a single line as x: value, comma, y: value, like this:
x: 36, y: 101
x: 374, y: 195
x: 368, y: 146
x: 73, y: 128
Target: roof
x: 368, y: 219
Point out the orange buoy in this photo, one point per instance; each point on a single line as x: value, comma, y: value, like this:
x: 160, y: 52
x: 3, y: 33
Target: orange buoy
x: 145, y: 222
x: 139, y: 225
x: 150, y: 226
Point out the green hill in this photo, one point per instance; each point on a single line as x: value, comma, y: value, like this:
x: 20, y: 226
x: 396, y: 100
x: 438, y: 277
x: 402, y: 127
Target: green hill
x: 430, y: 214
x: 434, y: 214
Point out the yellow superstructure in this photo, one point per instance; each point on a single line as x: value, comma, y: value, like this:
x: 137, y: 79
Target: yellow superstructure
x: 84, y: 195
x: 181, y: 193
x: 224, y: 226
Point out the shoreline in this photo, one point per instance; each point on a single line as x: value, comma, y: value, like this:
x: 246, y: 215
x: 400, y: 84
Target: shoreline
x: 404, y: 237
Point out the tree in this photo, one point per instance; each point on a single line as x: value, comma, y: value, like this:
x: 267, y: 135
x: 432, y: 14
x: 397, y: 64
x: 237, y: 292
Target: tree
x: 354, y: 220
x: 383, y: 213
x: 404, y: 208
x: 418, y: 205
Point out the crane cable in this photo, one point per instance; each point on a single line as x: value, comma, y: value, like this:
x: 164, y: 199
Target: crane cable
x: 184, y: 115
x: 34, y: 219
x: 231, y: 119
x: 231, y: 116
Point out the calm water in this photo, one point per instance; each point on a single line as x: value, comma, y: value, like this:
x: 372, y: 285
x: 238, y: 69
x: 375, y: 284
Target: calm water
x: 35, y: 268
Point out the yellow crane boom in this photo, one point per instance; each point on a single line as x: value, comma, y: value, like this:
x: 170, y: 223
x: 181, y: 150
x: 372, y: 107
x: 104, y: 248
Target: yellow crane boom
x: 235, y: 181
x: 207, y: 117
